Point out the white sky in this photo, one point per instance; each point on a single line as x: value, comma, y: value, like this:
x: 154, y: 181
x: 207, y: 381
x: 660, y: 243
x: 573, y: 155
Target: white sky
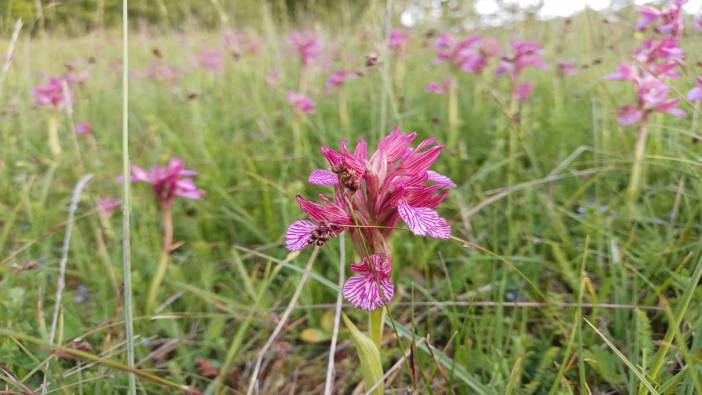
x: 568, y: 7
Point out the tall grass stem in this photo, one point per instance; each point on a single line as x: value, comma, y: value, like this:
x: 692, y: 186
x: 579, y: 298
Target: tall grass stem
x: 127, y: 204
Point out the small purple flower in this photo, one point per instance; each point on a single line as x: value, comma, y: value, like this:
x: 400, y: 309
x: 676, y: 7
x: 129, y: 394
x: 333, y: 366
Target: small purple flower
x: 696, y: 92
x: 340, y: 77
x: 210, y: 60
x: 83, y: 128
x: 397, y: 40
x: 169, y: 182
x: 50, y: 95
x: 523, y: 91
x: 524, y: 54
x: 438, y: 88
x: 567, y: 68
x: 308, y: 46
x: 273, y: 77
x: 108, y: 206
x: 301, y: 103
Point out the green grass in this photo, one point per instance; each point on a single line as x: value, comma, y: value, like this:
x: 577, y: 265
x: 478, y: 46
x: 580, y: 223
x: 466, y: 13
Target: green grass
x: 557, y: 255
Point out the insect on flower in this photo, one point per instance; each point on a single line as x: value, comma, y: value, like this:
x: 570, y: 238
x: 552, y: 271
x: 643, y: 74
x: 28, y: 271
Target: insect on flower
x: 371, y: 194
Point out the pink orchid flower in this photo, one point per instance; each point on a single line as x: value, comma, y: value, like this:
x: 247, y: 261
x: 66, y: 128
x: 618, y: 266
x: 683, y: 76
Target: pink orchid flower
x: 362, y: 291
x: 340, y: 77
x: 524, y: 54
x: 308, y: 46
x: 397, y: 40
x: 655, y: 61
x: 371, y: 194
x: 696, y: 92
x: 50, y: 95
x: 698, y: 23
x: 210, y: 60
x: 301, y: 103
x: 523, y: 91
x: 83, y: 128
x: 438, y: 88
x: 471, y: 55
x: 567, y: 68
x: 169, y: 182
x: 108, y: 206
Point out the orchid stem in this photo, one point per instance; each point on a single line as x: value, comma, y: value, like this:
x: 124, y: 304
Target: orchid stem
x: 453, y: 113
x: 636, y: 177
x: 54, y: 143
x: 163, y: 259
x: 376, y: 320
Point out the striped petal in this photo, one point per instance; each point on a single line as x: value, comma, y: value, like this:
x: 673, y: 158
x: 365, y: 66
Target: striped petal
x: 323, y: 177
x: 362, y: 291
x: 440, y: 179
x: 298, y: 235
x: 424, y: 221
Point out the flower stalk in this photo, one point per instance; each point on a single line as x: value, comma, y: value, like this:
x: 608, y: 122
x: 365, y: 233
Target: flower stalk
x: 53, y: 137
x: 637, y: 167
x: 167, y: 223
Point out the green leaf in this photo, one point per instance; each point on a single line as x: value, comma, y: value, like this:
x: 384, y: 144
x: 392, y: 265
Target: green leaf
x: 369, y: 356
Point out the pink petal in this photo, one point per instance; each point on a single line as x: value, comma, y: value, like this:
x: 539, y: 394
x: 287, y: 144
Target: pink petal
x: 424, y: 221
x: 440, y: 179
x: 298, y: 235
x: 139, y: 174
x: 362, y: 290
x: 323, y: 177
x: 695, y: 94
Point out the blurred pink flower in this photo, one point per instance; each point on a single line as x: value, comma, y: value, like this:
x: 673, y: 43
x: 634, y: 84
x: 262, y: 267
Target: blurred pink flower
x: 210, y: 60
x: 655, y: 61
x: 470, y: 55
x: 438, y: 88
x: 523, y: 91
x: 308, y: 46
x: 698, y: 23
x: 169, y: 182
x: 567, y: 68
x: 76, y: 77
x: 237, y: 43
x: 108, y: 206
x: 371, y: 195
x: 397, y: 40
x: 273, y: 77
x: 83, y: 128
x: 301, y: 103
x: 696, y: 92
x: 338, y: 78
x: 163, y: 72
x: 669, y: 19
x: 524, y: 54
x: 50, y: 95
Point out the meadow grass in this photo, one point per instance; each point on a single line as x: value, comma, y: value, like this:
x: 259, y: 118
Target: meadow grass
x: 551, y: 285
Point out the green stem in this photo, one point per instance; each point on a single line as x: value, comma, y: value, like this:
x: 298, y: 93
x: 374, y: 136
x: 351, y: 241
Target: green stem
x: 126, y: 206
x: 163, y: 259
x: 637, y: 167
x: 376, y: 320
x: 54, y: 143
